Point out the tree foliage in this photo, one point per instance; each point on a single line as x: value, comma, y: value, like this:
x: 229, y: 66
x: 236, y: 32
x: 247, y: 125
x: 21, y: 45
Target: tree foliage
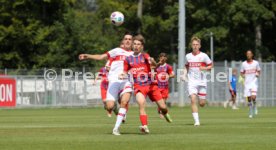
x: 51, y: 33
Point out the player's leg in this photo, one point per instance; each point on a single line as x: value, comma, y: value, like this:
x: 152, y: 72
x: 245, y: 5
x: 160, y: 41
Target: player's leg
x: 227, y: 102
x: 234, y: 96
x: 202, y: 95
x: 164, y: 96
x: 247, y: 95
x: 164, y: 110
x: 125, y: 95
x: 103, y: 94
x: 141, y: 101
x: 192, y: 89
x: 156, y: 97
x: 250, y: 105
x: 254, y: 104
x: 253, y: 98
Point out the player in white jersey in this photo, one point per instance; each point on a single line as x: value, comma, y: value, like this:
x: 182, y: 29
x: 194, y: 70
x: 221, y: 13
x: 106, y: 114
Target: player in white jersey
x: 117, y: 87
x: 197, y: 63
x: 250, y: 70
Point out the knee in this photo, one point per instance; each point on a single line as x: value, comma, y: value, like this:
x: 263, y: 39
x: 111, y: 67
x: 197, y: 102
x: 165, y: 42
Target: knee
x: 109, y: 105
x: 202, y: 103
x: 123, y: 104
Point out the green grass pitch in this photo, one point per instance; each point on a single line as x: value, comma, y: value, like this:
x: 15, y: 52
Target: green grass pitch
x: 90, y: 128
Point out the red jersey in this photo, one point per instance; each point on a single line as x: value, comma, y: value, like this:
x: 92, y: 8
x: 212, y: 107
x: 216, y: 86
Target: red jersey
x: 103, y: 73
x: 163, y: 72
x: 139, y: 68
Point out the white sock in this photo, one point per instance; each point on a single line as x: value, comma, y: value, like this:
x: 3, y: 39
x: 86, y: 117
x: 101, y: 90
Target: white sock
x: 120, y: 117
x: 196, y: 117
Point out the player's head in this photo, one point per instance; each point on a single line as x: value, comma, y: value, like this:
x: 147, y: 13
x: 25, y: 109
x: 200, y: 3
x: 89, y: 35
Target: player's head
x: 249, y: 54
x: 138, y: 43
x: 195, y: 43
x: 163, y: 58
x: 234, y: 71
x: 127, y: 40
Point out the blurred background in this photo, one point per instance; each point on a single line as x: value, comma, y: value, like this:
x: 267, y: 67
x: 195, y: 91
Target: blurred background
x: 51, y: 33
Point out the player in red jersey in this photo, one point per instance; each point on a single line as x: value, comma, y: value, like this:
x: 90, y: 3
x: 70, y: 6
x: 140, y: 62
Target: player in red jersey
x: 138, y: 65
x: 102, y: 75
x: 164, y: 72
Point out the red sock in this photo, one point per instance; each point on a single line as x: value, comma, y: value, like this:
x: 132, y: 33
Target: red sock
x: 144, y: 119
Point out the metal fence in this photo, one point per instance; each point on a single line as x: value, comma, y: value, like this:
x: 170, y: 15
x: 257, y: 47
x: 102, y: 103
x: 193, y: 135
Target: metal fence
x: 218, y: 92
x: 35, y: 91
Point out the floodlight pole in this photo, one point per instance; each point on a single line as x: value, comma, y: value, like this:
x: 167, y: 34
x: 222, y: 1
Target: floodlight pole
x: 181, y: 48
x: 212, y: 45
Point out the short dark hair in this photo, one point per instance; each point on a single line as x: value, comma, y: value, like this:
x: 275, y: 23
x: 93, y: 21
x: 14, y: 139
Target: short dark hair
x: 250, y: 50
x: 128, y: 33
x: 163, y: 55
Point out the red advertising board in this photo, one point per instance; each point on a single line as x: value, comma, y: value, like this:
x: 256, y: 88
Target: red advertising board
x: 7, y: 92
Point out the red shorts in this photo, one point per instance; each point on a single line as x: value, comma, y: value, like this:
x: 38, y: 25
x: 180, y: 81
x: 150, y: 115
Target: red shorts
x: 155, y: 94
x: 164, y: 93
x: 103, y: 94
x: 151, y: 90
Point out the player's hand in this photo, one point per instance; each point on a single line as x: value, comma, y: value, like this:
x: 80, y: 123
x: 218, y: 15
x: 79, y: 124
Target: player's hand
x: 151, y: 60
x: 94, y: 82
x: 257, y: 74
x: 83, y: 56
x: 201, y: 68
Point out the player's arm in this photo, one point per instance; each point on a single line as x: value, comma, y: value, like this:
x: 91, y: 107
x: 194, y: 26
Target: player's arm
x: 150, y: 60
x: 123, y: 75
x: 242, y: 71
x: 95, y: 81
x: 258, y: 72
x: 208, y: 62
x: 207, y: 68
x: 170, y: 72
x: 98, y: 76
x: 94, y: 57
x: 229, y: 86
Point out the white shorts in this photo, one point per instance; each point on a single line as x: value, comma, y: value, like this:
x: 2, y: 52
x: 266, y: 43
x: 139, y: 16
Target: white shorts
x: 250, y: 89
x: 199, y: 90
x: 117, y: 89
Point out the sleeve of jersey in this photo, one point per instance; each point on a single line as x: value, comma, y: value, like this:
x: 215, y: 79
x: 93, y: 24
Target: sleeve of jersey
x: 126, y: 65
x: 108, y: 63
x: 208, y: 61
x: 170, y: 69
x: 112, y: 53
x: 258, y: 67
x: 147, y: 57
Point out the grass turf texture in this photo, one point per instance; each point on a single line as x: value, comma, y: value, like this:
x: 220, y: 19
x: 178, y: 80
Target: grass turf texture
x: 90, y: 128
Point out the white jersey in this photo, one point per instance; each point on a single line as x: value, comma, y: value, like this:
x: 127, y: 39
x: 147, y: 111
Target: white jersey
x: 195, y: 75
x: 249, y: 69
x: 117, y: 56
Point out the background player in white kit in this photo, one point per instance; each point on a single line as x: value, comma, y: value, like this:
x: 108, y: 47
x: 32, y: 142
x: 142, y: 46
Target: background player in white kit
x: 197, y: 63
x: 250, y: 70
x: 117, y: 88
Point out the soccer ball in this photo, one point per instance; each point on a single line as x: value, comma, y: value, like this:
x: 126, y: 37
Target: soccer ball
x: 117, y: 18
